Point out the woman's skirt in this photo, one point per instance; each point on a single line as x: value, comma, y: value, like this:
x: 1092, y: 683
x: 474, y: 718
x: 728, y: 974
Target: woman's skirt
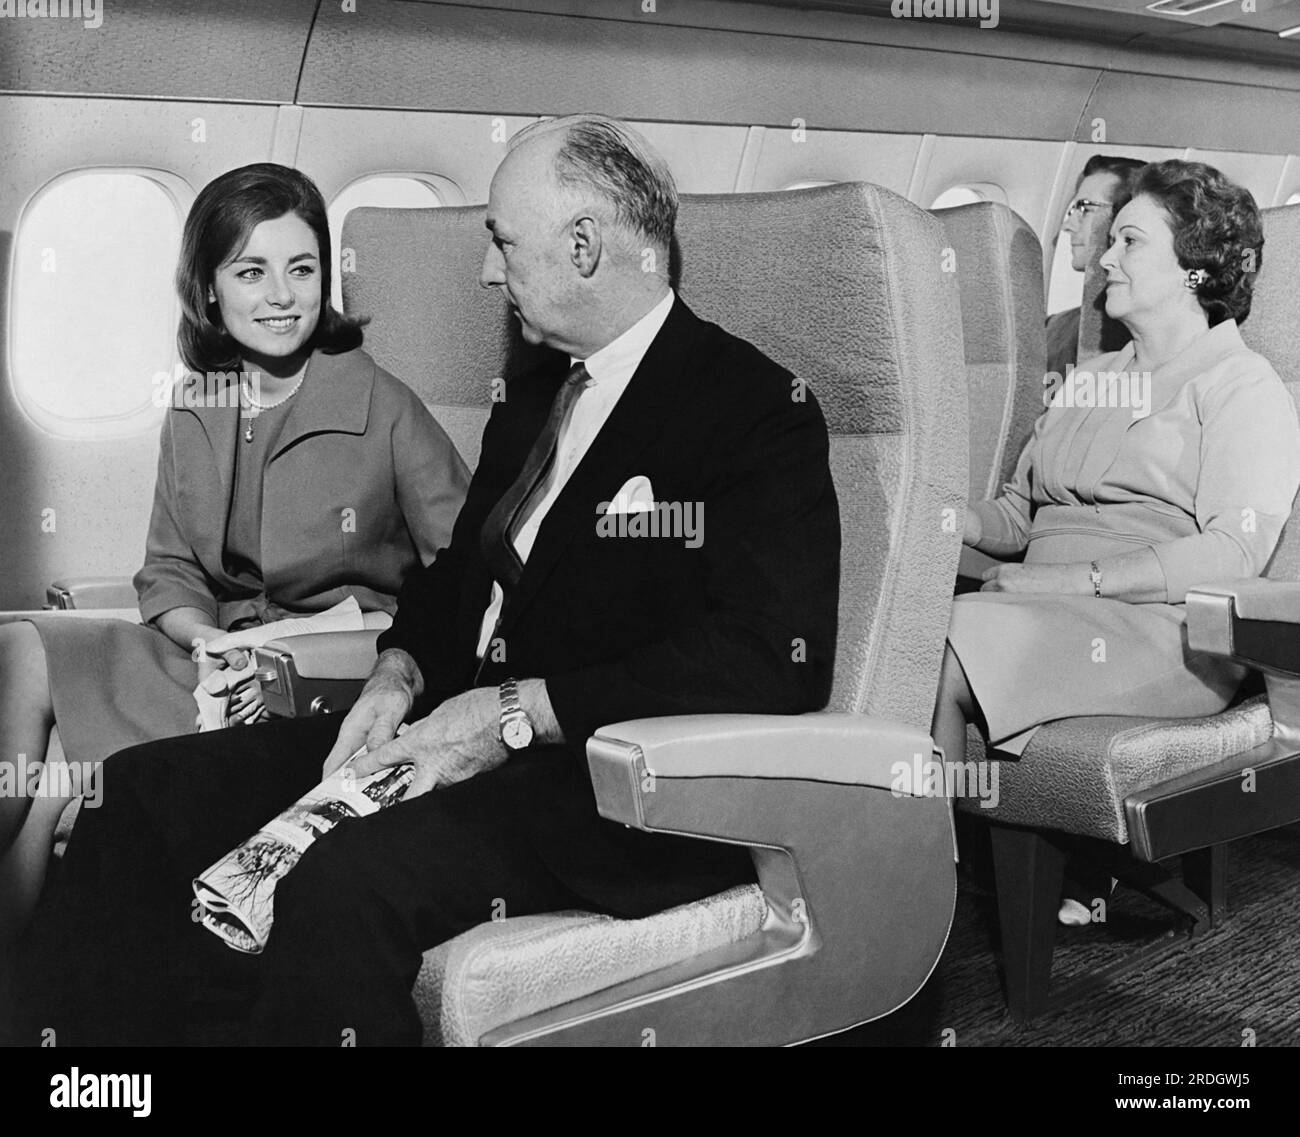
x: 1032, y: 659
x: 115, y: 684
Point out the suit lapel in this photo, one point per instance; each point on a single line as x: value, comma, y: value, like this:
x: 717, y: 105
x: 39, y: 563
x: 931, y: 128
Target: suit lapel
x: 653, y: 395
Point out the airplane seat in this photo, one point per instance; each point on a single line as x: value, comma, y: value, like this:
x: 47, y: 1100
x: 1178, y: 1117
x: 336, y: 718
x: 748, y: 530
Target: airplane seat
x: 999, y: 264
x: 857, y: 883
x: 1145, y: 790
x: 1098, y: 333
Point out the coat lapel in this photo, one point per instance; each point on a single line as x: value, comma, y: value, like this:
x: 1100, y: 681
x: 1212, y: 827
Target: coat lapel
x: 204, y: 476
x: 652, y: 397
x: 335, y: 398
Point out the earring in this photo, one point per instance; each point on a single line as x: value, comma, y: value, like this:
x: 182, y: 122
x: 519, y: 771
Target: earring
x: 1195, y: 278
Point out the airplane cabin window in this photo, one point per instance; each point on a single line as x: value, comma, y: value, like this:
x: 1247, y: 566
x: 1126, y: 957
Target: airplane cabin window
x: 93, y: 310
x: 957, y: 195
x: 389, y: 191
x: 1064, y: 286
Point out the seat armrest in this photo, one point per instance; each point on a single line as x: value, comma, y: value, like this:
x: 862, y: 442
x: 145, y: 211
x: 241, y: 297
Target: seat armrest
x: 859, y: 880
x: 319, y: 673
x: 91, y: 592
x: 632, y: 762
x: 1251, y: 621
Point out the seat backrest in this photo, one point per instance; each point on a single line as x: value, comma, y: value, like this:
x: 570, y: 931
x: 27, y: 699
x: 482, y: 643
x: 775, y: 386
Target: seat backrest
x: 1098, y: 333
x: 999, y: 265
x: 414, y: 272
x: 1273, y: 330
x: 843, y: 285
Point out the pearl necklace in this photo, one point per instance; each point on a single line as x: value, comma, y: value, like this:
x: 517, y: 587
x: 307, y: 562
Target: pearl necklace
x: 247, y: 392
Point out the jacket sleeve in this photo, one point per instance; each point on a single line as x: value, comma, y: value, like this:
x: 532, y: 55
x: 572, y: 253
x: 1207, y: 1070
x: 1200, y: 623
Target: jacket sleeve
x: 171, y: 576
x: 431, y: 478
x: 1249, y: 472
x: 765, y: 640
x: 1005, y: 521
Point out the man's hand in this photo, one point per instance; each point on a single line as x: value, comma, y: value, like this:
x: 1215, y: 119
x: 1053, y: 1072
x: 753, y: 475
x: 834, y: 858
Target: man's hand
x: 460, y: 739
x: 385, y: 701
x: 1037, y: 578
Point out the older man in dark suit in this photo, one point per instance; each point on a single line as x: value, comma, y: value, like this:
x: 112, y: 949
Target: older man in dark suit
x: 652, y: 530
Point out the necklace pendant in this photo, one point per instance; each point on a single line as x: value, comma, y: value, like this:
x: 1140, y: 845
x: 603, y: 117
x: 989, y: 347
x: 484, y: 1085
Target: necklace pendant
x: 248, y: 433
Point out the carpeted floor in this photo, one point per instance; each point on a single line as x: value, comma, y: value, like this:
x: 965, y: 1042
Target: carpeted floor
x: 1242, y: 976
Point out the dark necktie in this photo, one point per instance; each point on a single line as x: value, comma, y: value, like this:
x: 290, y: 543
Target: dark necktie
x: 498, y: 548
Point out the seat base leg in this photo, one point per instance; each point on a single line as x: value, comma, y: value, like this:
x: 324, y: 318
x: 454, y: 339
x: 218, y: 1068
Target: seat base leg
x: 1028, y: 870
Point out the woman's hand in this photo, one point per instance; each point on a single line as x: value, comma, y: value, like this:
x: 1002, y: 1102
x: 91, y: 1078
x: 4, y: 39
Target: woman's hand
x: 1037, y: 578
x: 245, y: 703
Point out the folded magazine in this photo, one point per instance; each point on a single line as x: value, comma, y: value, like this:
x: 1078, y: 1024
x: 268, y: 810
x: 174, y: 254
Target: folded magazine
x: 237, y: 893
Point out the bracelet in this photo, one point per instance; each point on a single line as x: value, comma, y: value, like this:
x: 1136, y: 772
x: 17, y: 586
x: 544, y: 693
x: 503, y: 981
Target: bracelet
x: 1094, y: 575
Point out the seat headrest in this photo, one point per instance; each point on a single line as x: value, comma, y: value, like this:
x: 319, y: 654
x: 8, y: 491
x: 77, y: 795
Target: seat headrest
x: 743, y: 261
x: 999, y: 266
x: 1272, y: 328
x: 1098, y: 333
x: 415, y: 275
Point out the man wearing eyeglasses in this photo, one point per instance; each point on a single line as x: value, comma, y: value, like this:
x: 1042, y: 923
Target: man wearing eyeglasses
x: 1100, y: 186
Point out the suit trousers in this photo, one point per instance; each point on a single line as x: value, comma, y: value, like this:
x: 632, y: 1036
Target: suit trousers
x: 116, y: 954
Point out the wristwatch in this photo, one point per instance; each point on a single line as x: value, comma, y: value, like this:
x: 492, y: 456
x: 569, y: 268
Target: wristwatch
x: 516, y: 726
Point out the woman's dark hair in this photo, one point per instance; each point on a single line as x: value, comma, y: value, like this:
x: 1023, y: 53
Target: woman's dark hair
x: 1216, y: 227
x: 223, y: 215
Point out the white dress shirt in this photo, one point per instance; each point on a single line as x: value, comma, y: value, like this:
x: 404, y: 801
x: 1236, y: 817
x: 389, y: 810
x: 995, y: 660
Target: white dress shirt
x: 610, y: 370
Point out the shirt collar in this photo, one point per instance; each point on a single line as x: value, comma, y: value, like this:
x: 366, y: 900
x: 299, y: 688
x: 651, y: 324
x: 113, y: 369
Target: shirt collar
x: 622, y: 355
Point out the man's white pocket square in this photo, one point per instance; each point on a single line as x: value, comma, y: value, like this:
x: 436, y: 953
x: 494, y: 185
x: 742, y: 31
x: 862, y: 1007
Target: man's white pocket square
x: 636, y: 496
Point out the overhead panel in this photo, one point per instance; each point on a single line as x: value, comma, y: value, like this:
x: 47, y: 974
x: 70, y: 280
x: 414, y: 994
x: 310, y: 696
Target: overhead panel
x: 450, y: 57
x: 1200, y: 12
x: 237, y: 50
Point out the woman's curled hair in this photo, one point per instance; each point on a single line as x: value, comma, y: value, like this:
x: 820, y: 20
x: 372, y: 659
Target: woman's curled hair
x: 218, y: 226
x: 1217, y: 229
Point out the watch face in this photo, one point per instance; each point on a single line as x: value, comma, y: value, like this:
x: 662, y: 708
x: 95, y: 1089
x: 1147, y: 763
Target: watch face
x: 517, y: 733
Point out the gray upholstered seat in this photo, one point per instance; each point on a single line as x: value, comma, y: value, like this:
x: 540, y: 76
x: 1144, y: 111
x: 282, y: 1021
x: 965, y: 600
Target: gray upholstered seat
x: 999, y: 264
x: 843, y: 286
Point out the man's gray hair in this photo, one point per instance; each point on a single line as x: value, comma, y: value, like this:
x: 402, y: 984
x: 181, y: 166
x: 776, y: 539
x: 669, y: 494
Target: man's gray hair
x: 608, y: 156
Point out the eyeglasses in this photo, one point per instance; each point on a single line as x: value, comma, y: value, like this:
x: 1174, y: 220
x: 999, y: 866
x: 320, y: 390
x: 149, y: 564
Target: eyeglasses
x: 1083, y: 206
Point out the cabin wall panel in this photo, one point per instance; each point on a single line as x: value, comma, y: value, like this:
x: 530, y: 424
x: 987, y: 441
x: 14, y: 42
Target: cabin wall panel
x: 464, y: 148
x: 1024, y: 170
x: 101, y: 490
x: 243, y: 50
x: 451, y: 58
x: 1259, y: 173
x: 786, y: 156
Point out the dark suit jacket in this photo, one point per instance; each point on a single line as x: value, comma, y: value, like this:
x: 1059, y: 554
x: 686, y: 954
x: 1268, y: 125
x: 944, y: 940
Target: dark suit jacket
x: 624, y: 627
x: 355, y: 438
x: 1062, y: 340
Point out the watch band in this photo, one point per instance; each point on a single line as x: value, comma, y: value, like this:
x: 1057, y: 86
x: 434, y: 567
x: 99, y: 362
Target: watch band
x: 510, y: 697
